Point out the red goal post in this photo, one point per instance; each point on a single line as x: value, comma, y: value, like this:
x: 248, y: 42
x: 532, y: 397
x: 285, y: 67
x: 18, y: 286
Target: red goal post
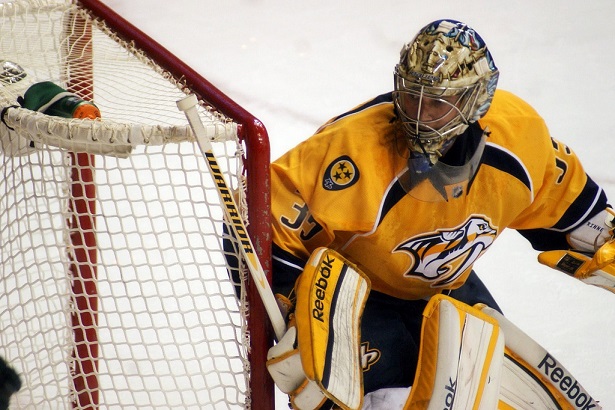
x: 116, y: 320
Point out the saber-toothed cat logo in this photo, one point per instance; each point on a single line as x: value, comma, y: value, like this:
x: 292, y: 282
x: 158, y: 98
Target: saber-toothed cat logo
x: 442, y: 256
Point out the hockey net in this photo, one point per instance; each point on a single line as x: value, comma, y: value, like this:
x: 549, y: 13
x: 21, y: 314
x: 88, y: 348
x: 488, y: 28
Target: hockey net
x: 114, y: 278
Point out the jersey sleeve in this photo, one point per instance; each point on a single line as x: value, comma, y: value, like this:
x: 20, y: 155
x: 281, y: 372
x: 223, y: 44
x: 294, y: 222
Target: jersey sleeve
x: 295, y: 231
x: 329, y: 187
x: 565, y: 199
x: 561, y: 195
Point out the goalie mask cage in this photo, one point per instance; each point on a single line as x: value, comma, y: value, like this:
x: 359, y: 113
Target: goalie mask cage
x: 114, y: 284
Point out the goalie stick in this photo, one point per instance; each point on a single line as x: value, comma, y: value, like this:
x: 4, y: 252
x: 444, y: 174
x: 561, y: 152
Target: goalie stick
x: 189, y: 106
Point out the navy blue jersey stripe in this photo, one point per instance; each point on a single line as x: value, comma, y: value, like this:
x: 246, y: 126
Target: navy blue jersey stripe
x: 505, y: 162
x: 383, y: 98
x: 578, y: 212
x: 392, y: 197
x: 287, y: 268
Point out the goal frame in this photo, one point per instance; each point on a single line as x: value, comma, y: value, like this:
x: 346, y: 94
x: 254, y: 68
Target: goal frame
x: 257, y: 158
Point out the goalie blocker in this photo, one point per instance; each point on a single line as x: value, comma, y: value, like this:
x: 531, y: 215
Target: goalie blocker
x: 326, y: 365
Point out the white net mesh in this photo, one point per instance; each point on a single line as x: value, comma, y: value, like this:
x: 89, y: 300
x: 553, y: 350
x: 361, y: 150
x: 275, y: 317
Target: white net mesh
x: 169, y: 329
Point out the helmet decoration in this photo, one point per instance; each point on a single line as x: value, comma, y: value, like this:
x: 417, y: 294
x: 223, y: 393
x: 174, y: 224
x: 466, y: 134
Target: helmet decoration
x: 444, y: 81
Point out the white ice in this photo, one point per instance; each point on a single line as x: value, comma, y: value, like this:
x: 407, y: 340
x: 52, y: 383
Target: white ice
x: 295, y: 64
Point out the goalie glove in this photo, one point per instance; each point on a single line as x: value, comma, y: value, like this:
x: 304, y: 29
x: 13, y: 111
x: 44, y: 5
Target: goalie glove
x: 597, y: 269
x: 585, y: 262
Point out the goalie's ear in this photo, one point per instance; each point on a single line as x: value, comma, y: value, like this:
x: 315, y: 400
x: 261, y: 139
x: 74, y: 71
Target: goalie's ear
x: 460, y: 358
x: 331, y: 294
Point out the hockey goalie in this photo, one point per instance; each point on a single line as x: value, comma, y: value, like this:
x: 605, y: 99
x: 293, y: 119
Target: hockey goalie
x: 379, y: 218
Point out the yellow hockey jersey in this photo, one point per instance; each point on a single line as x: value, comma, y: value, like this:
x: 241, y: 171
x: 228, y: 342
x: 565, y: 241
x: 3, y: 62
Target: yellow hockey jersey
x: 341, y: 189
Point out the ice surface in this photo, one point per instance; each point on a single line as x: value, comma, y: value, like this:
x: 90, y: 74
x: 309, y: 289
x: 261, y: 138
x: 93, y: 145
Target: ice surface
x: 296, y: 64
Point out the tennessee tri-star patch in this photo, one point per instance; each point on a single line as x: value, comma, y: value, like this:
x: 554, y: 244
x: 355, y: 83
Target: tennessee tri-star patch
x: 340, y: 174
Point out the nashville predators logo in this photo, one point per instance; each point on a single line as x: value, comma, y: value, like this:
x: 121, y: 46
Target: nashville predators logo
x: 369, y: 356
x: 443, y: 256
x: 341, y: 173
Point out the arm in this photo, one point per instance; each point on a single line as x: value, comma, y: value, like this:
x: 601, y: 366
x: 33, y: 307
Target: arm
x: 570, y: 219
x: 581, y: 242
x: 569, y: 208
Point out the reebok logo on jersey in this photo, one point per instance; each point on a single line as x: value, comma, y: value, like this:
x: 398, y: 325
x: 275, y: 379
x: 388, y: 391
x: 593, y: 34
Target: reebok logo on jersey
x: 441, y: 257
x: 340, y: 174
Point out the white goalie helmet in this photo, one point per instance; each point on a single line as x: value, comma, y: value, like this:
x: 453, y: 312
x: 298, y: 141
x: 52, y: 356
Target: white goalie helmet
x: 445, y: 80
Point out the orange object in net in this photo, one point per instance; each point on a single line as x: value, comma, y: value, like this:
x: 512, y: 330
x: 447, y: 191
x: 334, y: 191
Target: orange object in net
x: 86, y: 111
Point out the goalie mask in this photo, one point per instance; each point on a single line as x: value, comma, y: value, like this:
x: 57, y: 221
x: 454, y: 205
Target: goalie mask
x: 445, y: 80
